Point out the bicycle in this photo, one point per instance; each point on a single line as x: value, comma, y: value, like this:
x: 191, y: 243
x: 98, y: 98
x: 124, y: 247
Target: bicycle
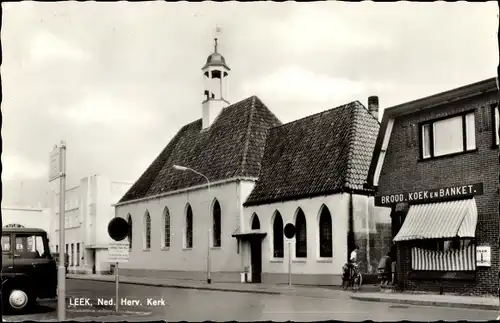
x: 355, y: 278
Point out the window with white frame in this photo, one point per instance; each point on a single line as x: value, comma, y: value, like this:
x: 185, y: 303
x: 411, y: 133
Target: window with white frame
x: 188, y: 244
x: 301, y: 235
x: 166, y: 228
x: 448, y: 136
x: 147, y: 231
x: 278, y: 237
x: 496, y: 123
x: 216, y: 225
x: 325, y: 233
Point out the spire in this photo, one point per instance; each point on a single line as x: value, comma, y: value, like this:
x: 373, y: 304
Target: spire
x: 215, y: 72
x: 217, y: 33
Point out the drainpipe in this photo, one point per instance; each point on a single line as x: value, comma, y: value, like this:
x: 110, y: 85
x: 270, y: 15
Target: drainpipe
x: 350, y: 235
x: 240, y: 246
x: 368, y: 232
x: 498, y: 131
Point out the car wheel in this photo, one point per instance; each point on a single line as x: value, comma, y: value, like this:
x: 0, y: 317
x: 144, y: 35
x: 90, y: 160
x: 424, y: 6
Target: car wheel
x: 18, y: 300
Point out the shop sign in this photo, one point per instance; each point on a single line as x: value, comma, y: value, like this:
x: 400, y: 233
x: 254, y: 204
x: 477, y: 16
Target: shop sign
x: 483, y: 256
x: 432, y: 195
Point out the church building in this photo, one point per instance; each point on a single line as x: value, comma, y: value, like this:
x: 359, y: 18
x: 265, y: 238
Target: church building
x: 213, y: 204
x: 185, y: 206
x: 313, y: 175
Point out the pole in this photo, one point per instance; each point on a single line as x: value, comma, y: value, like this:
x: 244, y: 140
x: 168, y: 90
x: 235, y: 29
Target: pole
x: 209, y: 279
x: 289, y: 264
x: 1, y: 266
x: 209, y: 260
x: 117, y: 279
x: 61, y: 295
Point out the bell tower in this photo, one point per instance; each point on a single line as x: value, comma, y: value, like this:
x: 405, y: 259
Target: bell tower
x: 215, y: 74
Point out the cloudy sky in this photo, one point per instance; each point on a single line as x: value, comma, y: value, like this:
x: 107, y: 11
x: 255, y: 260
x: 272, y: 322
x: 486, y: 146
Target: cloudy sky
x: 118, y: 80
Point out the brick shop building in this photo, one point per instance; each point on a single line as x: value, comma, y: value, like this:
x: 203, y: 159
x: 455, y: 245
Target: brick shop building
x: 435, y: 166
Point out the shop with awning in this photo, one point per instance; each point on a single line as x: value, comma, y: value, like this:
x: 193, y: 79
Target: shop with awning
x: 442, y: 235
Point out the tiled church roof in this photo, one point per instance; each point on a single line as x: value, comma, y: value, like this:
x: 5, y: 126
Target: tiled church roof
x: 233, y: 146
x: 321, y: 154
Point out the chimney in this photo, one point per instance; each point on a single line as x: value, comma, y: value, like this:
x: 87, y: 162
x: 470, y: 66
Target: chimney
x: 373, y: 106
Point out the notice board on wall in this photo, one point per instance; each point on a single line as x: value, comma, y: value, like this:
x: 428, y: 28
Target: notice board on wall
x: 483, y: 256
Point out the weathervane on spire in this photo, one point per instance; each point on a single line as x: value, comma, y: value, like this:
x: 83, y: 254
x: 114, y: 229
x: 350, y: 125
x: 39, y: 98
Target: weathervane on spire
x: 217, y: 32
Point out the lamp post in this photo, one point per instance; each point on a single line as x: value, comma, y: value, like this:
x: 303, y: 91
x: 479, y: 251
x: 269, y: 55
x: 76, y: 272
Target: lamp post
x: 183, y: 168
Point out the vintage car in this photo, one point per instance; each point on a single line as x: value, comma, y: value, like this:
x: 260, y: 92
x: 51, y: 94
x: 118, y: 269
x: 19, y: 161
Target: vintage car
x: 29, y: 272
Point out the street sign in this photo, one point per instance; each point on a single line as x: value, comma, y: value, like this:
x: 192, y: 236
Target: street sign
x: 55, y: 164
x: 289, y: 230
x: 118, y: 251
x: 118, y: 229
x: 483, y: 256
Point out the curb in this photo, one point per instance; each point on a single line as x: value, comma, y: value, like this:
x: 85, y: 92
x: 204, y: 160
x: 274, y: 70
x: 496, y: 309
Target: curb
x: 185, y: 287
x: 426, y: 303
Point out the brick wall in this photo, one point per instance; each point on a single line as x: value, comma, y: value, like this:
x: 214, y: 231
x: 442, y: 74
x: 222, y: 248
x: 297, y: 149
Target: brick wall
x: 402, y: 171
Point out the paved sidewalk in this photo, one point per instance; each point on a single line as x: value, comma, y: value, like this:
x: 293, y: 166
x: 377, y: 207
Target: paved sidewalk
x: 474, y: 302
x: 272, y: 289
x: 367, y: 292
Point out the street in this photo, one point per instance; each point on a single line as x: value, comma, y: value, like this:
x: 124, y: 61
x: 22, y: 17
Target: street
x: 196, y: 305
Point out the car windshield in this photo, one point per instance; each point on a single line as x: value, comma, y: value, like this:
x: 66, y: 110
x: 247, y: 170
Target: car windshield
x: 31, y: 245
x: 5, y: 243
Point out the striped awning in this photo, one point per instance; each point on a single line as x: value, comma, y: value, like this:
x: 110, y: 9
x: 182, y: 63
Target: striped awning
x: 439, y: 220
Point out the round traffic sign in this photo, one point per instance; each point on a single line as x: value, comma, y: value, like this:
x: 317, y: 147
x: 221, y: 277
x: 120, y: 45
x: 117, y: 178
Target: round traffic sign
x: 289, y: 230
x: 118, y: 229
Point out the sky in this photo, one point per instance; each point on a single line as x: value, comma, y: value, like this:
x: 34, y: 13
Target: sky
x: 117, y: 80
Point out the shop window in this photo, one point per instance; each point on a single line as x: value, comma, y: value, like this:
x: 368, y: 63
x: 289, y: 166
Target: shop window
x: 189, y: 228
x: 216, y: 225
x: 325, y: 233
x: 147, y: 231
x: 443, y: 245
x: 455, y: 255
x: 301, y: 239
x: 448, y: 136
x: 278, y: 237
x: 166, y: 228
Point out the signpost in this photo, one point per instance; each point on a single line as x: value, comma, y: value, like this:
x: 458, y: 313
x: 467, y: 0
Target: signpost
x: 58, y: 170
x: 118, y: 251
x: 289, y: 231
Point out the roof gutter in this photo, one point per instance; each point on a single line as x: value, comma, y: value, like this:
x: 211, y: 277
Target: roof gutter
x: 365, y: 192
x: 187, y: 189
x: 446, y: 97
